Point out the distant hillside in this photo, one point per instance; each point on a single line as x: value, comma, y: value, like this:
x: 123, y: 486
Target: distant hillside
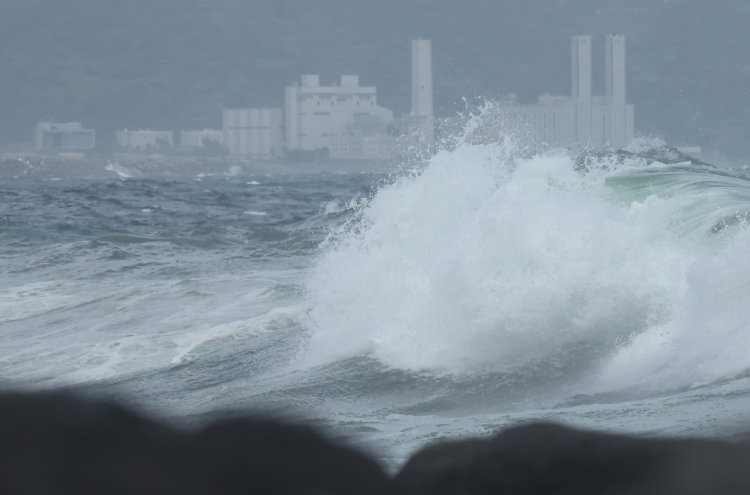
x: 174, y: 64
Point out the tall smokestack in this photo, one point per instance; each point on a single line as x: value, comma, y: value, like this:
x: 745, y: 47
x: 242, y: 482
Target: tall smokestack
x: 421, y: 78
x: 422, y: 119
x: 582, y: 69
x: 616, y: 86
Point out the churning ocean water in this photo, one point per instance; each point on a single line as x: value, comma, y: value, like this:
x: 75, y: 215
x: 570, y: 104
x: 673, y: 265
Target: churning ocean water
x: 486, y: 288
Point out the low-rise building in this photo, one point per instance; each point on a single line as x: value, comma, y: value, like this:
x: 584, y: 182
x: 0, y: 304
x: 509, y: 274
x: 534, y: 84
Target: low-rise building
x: 71, y: 136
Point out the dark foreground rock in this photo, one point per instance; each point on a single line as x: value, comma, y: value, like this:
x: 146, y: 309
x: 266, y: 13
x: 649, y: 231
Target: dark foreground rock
x: 550, y: 459
x: 57, y: 444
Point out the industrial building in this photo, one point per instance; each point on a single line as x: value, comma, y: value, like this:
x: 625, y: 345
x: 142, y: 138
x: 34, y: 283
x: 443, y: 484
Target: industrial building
x: 197, y: 139
x: 71, y: 136
x: 254, y: 132
x: 582, y: 119
x: 342, y: 118
x: 144, y: 140
x: 345, y: 119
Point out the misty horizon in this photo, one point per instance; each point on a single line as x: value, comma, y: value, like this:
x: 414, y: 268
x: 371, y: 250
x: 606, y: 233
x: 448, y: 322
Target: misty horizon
x: 175, y: 67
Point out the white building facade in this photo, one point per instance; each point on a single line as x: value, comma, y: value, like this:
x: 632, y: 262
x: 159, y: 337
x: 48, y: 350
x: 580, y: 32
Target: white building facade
x: 257, y: 133
x: 144, y: 140
x: 345, y: 119
x: 71, y: 136
x: 582, y: 119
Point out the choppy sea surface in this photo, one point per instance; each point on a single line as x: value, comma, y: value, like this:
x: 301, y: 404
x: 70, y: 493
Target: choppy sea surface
x: 486, y: 288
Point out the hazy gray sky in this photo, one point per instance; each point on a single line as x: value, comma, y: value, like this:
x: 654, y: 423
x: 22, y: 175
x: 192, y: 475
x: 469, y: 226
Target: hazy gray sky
x: 175, y: 64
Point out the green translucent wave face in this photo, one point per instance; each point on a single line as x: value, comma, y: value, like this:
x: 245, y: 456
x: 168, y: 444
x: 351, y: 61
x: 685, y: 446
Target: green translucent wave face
x: 707, y: 202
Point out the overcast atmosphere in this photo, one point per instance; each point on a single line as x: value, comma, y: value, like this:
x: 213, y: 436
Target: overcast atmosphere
x: 393, y: 222
x: 163, y: 64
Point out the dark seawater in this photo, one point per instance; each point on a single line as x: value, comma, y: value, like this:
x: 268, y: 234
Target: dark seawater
x: 487, y: 289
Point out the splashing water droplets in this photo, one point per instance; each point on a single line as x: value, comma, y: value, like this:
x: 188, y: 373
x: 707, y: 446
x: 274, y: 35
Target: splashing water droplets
x: 490, y: 261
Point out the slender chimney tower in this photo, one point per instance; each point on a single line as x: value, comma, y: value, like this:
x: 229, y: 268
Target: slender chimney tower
x: 582, y: 69
x: 421, y: 77
x: 421, y: 91
x: 616, y: 87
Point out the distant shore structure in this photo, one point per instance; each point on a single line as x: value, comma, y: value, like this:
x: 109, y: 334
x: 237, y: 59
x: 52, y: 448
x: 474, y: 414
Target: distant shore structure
x: 419, y: 125
x: 197, y: 139
x: 582, y: 120
x: 256, y: 133
x: 345, y: 119
x: 342, y: 119
x: 70, y: 136
x: 144, y: 140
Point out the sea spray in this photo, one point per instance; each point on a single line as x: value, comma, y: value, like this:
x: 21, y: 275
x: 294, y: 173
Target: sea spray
x: 487, y: 261
x: 708, y: 337
x: 490, y: 286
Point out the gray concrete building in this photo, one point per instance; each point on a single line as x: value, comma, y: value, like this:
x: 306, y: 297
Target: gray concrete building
x: 581, y: 120
x: 71, y: 136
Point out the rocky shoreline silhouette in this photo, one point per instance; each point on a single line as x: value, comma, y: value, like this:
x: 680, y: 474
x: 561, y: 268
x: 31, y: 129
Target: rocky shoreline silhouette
x: 56, y: 443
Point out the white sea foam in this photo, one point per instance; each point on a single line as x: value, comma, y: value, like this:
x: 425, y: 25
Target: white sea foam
x: 708, y: 338
x: 334, y: 207
x: 486, y: 261
x: 268, y: 322
x: 122, y: 171
x: 256, y: 213
x: 27, y: 301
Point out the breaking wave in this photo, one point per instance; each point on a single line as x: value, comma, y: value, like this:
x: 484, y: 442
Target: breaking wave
x: 628, y: 267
